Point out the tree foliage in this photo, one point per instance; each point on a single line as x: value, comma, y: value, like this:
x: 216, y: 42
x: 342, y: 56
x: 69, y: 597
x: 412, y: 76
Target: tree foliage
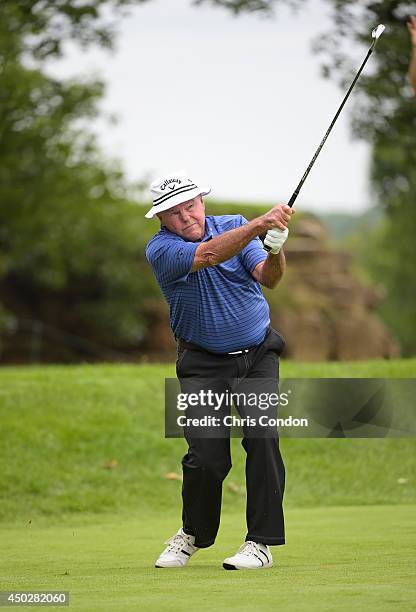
x: 40, y: 28
x: 239, y: 6
x: 249, y: 6
x: 69, y: 238
x: 384, y: 114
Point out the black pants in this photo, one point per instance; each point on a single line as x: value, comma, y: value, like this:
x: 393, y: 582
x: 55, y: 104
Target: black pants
x: 208, y: 460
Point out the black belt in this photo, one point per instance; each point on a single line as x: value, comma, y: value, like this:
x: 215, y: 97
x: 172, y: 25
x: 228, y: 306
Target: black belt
x: 182, y: 344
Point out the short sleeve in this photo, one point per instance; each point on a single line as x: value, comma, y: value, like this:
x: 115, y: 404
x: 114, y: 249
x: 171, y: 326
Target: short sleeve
x: 253, y: 253
x: 171, y: 259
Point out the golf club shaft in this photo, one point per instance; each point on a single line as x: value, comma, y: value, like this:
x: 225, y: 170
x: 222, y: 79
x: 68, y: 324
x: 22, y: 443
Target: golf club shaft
x: 318, y: 150
x: 313, y: 160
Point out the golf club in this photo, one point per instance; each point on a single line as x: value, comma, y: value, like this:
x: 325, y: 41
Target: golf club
x: 376, y: 33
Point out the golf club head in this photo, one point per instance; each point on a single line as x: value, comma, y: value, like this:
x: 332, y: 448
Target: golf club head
x: 378, y: 31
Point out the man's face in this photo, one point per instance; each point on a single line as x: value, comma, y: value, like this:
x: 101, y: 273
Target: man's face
x: 186, y: 219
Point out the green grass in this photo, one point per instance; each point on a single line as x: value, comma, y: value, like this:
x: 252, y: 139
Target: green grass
x: 60, y: 426
x: 343, y: 559
x: 70, y: 523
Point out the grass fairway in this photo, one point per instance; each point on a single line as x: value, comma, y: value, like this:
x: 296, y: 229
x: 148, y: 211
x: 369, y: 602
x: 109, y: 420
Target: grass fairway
x: 85, y: 505
x: 336, y: 559
x: 61, y: 427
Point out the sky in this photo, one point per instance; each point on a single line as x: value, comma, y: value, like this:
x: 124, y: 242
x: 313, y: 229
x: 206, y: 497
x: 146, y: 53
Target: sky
x: 239, y: 103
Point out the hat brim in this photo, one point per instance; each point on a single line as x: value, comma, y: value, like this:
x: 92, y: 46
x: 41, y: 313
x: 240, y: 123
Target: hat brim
x: 178, y: 199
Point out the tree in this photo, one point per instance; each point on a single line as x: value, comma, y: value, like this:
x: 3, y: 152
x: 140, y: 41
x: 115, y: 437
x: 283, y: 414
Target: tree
x: 384, y: 114
x: 69, y: 240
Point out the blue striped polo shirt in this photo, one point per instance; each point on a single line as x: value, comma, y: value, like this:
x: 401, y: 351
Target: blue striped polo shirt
x: 222, y: 307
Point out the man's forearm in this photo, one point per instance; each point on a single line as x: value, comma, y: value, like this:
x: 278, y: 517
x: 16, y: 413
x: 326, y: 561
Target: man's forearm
x: 226, y: 245
x: 273, y: 269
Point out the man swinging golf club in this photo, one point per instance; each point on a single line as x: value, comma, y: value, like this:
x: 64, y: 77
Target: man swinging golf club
x: 210, y: 269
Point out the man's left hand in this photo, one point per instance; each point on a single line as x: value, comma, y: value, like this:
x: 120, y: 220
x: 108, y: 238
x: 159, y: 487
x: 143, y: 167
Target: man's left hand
x: 275, y: 239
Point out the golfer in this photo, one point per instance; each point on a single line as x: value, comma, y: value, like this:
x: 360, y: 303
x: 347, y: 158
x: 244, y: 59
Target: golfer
x: 210, y: 269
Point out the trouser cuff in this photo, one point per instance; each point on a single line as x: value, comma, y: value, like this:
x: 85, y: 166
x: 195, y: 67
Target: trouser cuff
x: 265, y: 540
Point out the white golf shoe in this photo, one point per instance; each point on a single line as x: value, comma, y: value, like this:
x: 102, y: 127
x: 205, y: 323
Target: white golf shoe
x: 179, y: 550
x: 250, y: 555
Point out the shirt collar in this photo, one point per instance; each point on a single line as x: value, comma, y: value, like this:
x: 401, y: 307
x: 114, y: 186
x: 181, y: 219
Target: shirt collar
x: 209, y: 233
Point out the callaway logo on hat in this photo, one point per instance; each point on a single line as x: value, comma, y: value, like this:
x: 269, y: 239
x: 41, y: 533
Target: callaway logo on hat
x: 173, y: 189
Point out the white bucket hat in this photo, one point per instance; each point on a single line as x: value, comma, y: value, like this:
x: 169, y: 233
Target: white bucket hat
x: 173, y: 189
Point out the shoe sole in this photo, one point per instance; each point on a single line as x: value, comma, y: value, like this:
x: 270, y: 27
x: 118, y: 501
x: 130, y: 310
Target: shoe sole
x: 228, y: 566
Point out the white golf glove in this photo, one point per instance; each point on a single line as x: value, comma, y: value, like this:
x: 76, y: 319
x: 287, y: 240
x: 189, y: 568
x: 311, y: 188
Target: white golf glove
x: 275, y: 239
